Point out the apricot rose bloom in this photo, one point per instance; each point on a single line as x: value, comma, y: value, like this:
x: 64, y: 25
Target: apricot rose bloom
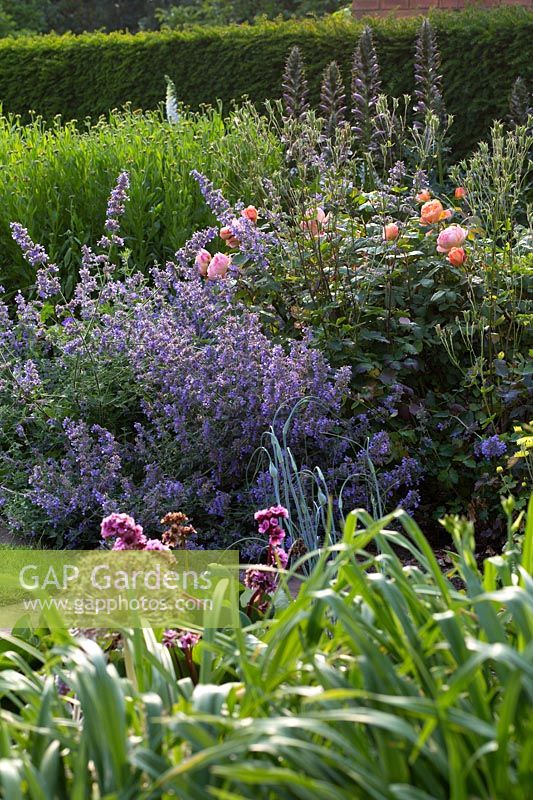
x: 251, y: 213
x: 203, y: 257
x: 457, y: 256
x: 460, y: 193
x: 432, y: 212
x: 391, y: 232
x: 218, y: 266
x: 315, y: 221
x: 423, y: 196
x: 452, y: 236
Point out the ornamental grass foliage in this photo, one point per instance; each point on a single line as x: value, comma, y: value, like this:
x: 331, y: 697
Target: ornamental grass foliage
x: 381, y: 679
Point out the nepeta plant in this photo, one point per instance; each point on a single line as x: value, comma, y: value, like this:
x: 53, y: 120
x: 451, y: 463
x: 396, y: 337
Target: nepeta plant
x: 366, y: 87
x: 295, y: 92
x: 428, y: 80
x: 144, y: 397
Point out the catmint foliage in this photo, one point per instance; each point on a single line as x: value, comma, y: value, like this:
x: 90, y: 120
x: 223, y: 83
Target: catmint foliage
x: 295, y: 91
x: 428, y: 80
x: 366, y: 87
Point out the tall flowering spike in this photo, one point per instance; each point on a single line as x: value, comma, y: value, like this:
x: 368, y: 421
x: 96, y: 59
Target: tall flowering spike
x: 116, y: 206
x: 332, y: 99
x: 520, y: 103
x: 47, y: 275
x: 366, y: 87
x: 171, y: 102
x: 295, y: 92
x: 213, y: 197
x: 428, y: 80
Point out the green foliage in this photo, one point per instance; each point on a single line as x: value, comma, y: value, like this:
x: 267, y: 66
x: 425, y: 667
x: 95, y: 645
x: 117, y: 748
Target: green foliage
x: 379, y: 680
x: 91, y: 74
x: 57, y: 178
x: 183, y: 14
x: 23, y: 16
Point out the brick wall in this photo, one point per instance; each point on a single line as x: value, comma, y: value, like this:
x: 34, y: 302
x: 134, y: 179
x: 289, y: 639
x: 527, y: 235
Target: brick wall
x: 405, y: 8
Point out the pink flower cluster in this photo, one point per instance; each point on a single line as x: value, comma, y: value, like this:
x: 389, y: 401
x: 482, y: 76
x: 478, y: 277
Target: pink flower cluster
x: 269, y: 522
x: 127, y: 534
x: 262, y: 581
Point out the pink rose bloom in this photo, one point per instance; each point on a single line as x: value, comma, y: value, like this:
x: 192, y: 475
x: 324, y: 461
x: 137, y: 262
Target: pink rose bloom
x: 202, y: 260
x: 315, y: 221
x: 251, y: 213
x: 218, y: 266
x: 391, y: 232
x: 452, y: 236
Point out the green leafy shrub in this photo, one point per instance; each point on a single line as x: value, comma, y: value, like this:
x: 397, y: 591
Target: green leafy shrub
x: 379, y: 680
x: 88, y: 75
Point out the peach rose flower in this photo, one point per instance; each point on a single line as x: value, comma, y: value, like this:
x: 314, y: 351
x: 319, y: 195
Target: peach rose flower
x: 432, y: 212
x: 391, y: 232
x: 423, y: 196
x: 456, y: 256
x: 218, y: 266
x: 315, y: 221
x: 225, y: 233
x: 251, y: 213
x: 453, y: 236
x: 459, y: 193
x: 203, y: 257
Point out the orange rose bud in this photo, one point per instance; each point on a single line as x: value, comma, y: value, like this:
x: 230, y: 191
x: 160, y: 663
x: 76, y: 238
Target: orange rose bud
x: 457, y: 256
x: 460, y: 193
x: 423, y: 196
x: 251, y: 213
x: 391, y: 232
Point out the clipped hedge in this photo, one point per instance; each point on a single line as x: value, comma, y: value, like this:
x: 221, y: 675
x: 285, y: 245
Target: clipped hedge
x: 87, y: 75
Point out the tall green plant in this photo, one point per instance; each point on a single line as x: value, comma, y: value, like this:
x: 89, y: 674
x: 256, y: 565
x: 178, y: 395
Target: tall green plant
x: 295, y: 90
x: 366, y: 88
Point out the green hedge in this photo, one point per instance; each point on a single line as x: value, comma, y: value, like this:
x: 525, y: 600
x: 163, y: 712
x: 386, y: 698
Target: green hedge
x: 79, y: 76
